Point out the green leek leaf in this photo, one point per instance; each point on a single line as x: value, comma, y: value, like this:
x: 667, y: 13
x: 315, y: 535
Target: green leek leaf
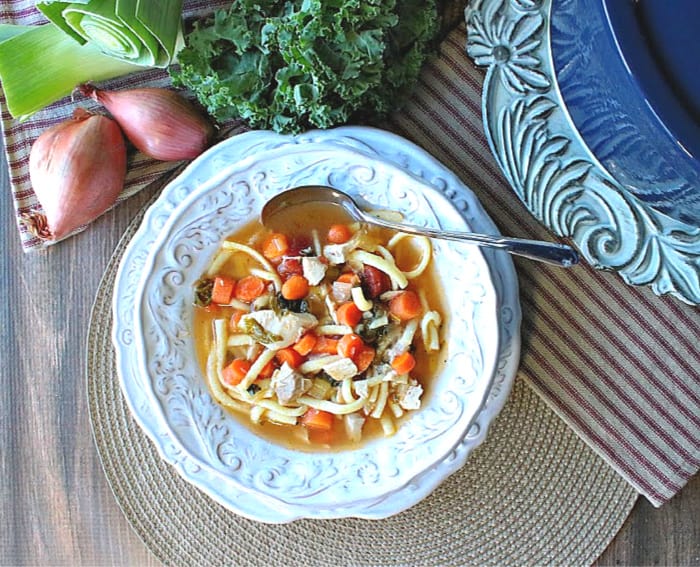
x: 41, y: 64
x: 91, y: 40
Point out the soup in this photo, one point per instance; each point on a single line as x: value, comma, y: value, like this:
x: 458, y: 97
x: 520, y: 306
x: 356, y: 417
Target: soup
x: 320, y: 333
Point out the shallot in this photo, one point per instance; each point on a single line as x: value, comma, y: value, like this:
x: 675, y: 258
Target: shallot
x: 159, y: 122
x: 77, y: 170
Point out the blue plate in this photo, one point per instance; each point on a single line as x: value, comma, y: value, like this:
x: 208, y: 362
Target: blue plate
x: 628, y: 74
x: 590, y: 108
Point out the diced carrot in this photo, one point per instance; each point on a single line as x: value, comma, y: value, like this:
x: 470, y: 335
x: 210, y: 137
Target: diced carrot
x: 305, y: 344
x: 223, y: 289
x: 290, y: 356
x: 268, y: 370
x: 250, y: 288
x: 405, y: 306
x: 348, y: 314
x: 364, y: 358
x: 233, y: 321
x: 348, y: 277
x: 349, y: 345
x: 404, y: 363
x: 325, y: 345
x: 317, y: 419
x: 339, y: 234
x: 296, y: 287
x: 275, y: 246
x: 234, y: 373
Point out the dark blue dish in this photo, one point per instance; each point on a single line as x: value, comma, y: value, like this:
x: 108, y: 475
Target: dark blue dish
x: 629, y: 74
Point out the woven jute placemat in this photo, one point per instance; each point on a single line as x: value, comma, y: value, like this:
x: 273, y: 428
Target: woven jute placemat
x: 533, y: 493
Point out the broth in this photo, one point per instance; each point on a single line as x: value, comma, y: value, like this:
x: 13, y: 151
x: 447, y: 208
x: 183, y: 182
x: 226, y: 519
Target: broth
x: 298, y: 223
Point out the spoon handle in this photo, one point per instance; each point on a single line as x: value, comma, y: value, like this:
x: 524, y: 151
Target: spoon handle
x: 548, y: 252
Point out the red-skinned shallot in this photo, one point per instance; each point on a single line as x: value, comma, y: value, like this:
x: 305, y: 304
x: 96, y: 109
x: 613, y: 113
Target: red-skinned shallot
x: 77, y: 169
x: 159, y: 122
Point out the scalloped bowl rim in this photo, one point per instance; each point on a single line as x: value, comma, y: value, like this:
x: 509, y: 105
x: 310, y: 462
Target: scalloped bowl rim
x: 212, y: 186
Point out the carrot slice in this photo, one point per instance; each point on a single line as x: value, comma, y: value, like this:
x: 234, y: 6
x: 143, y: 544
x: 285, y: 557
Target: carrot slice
x: 275, y: 246
x: 223, y: 289
x: 305, y: 344
x: 348, y: 277
x: 339, y: 234
x: 325, y: 345
x: 234, y: 373
x: 349, y: 345
x: 404, y: 363
x: 364, y: 358
x: 405, y: 306
x: 290, y: 356
x: 250, y: 288
x: 268, y: 370
x: 296, y: 287
x: 317, y: 419
x: 348, y: 314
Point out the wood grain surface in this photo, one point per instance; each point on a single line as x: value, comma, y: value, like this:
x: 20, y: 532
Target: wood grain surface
x: 57, y: 508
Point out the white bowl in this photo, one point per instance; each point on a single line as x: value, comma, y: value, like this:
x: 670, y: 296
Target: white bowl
x: 212, y: 449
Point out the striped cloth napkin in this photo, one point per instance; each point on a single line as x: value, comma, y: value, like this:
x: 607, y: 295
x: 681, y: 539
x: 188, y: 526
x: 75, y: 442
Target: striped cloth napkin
x: 620, y: 365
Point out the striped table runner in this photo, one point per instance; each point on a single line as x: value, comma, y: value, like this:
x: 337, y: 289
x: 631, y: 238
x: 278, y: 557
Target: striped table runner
x: 620, y: 365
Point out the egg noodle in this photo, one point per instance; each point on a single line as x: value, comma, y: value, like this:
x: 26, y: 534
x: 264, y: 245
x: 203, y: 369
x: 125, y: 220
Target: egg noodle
x: 322, y: 337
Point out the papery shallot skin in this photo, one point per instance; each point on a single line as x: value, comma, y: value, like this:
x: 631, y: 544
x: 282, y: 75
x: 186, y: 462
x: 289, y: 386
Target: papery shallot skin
x: 77, y: 170
x: 159, y: 122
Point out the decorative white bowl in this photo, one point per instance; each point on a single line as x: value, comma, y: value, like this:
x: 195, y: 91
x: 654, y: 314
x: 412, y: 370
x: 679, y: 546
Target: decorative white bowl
x: 167, y: 393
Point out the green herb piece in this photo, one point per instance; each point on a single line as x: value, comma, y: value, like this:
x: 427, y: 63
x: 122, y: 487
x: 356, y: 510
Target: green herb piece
x: 255, y: 330
x: 280, y: 305
x: 294, y: 64
x: 202, y: 292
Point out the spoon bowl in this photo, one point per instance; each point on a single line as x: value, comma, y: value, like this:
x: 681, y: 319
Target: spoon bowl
x: 549, y: 252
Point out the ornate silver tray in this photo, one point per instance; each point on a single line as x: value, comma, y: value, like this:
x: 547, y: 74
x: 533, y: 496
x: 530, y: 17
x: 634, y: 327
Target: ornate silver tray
x: 551, y: 169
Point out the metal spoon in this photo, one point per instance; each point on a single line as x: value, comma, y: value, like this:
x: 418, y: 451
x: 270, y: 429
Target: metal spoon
x: 549, y: 252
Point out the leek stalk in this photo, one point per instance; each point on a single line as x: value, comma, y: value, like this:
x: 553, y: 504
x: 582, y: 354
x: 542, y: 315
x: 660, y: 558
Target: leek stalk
x: 88, y: 40
x: 42, y: 64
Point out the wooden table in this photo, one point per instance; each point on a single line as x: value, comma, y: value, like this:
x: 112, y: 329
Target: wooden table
x: 57, y: 508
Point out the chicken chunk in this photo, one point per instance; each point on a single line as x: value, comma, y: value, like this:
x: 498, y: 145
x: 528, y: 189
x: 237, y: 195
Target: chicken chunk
x: 411, y: 399
x: 277, y: 331
x: 341, y: 369
x: 314, y: 269
x: 338, y: 253
x: 288, y: 384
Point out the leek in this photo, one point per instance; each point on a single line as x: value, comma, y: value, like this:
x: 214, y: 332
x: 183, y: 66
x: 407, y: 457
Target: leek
x: 144, y: 32
x: 42, y: 64
x: 90, y: 40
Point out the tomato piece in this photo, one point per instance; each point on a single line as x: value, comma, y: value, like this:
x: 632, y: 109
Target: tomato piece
x: 374, y: 282
x: 290, y: 267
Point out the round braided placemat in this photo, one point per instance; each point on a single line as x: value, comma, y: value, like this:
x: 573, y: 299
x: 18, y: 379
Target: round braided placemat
x: 533, y: 493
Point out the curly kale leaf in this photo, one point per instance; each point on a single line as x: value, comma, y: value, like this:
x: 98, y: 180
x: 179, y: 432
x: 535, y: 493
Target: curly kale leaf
x: 296, y: 64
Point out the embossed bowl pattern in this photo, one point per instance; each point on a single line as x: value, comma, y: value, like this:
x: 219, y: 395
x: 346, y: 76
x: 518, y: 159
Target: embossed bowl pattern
x: 167, y: 394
